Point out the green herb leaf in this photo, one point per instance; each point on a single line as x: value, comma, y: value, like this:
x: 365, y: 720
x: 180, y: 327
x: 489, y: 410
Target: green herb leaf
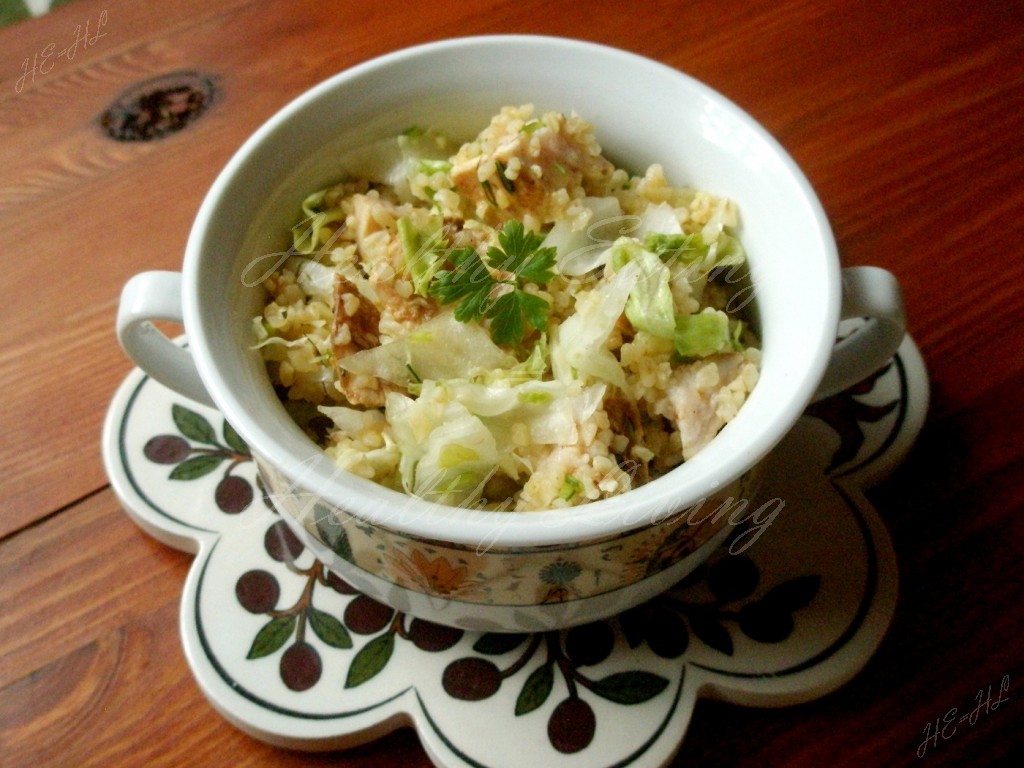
x: 509, y: 312
x: 521, y: 254
x: 485, y: 185
x: 506, y: 182
x: 470, y: 283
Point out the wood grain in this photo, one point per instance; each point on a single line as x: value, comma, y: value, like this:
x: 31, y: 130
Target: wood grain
x: 908, y: 119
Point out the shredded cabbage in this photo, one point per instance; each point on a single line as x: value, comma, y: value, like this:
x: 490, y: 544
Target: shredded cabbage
x: 535, y: 412
x: 442, y: 348
x: 583, y: 246
x: 422, y: 249
x: 703, y: 334
x: 459, y: 455
x: 310, y: 234
x: 579, y: 345
x: 395, y: 160
x: 352, y: 421
x: 660, y: 219
x: 650, y: 306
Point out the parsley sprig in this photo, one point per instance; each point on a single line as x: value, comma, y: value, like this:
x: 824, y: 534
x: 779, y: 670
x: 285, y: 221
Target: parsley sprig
x: 475, y: 285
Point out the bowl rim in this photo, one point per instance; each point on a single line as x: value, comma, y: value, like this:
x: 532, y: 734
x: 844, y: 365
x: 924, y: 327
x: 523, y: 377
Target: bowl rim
x: 603, y: 518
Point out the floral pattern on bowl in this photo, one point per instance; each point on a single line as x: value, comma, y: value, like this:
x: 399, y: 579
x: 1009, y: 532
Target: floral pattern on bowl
x: 492, y: 575
x: 294, y: 655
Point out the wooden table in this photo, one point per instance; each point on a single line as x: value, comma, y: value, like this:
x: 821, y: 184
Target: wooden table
x: 908, y: 117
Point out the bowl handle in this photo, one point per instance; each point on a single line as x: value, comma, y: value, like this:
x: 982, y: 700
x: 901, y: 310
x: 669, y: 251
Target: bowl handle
x: 157, y: 296
x: 872, y: 293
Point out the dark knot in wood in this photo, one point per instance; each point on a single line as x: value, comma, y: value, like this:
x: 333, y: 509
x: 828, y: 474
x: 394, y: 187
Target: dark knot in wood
x: 158, y: 107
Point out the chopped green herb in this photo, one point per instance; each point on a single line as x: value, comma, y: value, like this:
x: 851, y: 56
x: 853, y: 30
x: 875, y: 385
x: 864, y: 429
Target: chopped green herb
x: 510, y: 310
x: 521, y: 253
x: 506, y: 182
x: 489, y: 193
x: 468, y: 283
x: 471, y: 284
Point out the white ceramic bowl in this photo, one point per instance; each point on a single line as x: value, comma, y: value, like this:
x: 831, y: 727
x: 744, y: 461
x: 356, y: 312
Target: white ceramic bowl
x: 487, y: 570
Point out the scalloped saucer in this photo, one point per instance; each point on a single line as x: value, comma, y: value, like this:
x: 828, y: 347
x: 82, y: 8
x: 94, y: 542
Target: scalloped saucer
x: 788, y: 610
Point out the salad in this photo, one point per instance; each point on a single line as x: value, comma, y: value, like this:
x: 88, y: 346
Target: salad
x: 513, y: 323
